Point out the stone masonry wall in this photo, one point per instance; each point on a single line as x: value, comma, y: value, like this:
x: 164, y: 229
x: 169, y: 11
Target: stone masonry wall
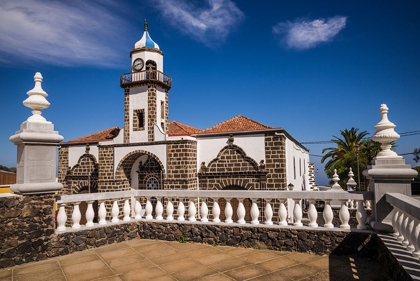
x: 26, y: 227
x: 182, y: 159
x: 63, y: 162
x: 127, y: 115
x: 152, y: 112
x: 275, y: 155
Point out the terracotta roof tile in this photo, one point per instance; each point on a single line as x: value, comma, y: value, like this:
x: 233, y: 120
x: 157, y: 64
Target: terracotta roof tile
x: 236, y: 124
x: 179, y: 129
x: 105, y: 135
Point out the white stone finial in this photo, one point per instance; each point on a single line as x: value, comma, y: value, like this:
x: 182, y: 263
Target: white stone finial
x: 336, y: 179
x: 385, y: 134
x: 351, y: 183
x: 37, y: 101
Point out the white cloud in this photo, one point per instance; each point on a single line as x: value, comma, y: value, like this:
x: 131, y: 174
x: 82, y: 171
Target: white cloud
x: 304, y: 34
x: 69, y: 33
x: 210, y: 25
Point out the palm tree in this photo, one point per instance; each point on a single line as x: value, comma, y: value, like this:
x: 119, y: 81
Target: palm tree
x: 350, y: 138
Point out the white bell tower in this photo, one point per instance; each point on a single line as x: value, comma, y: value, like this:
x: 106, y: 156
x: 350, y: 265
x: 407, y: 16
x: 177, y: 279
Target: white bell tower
x: 145, y: 93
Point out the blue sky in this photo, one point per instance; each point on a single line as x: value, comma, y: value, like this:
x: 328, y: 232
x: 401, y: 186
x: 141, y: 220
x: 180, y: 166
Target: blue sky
x: 310, y: 67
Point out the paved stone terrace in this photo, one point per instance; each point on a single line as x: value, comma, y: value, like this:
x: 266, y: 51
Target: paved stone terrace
x: 143, y: 259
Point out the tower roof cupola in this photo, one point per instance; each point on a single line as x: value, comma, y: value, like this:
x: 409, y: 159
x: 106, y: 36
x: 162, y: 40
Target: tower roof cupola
x: 145, y: 40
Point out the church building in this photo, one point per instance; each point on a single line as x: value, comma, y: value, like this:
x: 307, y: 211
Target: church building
x: 152, y: 153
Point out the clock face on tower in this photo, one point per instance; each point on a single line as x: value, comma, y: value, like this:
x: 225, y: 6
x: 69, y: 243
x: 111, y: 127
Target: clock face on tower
x: 138, y: 64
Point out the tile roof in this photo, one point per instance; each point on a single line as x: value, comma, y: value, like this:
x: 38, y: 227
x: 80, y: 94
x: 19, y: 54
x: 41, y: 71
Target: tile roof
x: 236, y: 124
x: 105, y: 135
x: 179, y: 129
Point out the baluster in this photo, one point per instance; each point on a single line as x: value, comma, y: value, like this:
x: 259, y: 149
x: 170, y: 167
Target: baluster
x: 241, y: 212
x: 268, y: 213
x: 159, y: 209
x: 90, y: 214
x: 254, y: 212
x: 62, y: 217
x: 395, y: 222
x: 416, y: 239
x: 361, y: 215
x: 297, y: 213
x: 282, y: 213
x: 181, y: 211
x: 410, y: 229
x: 344, y: 215
x: 401, y: 226
x: 367, y: 202
x: 328, y: 214
x: 114, y: 212
x: 356, y: 204
x: 76, y: 216
x: 102, y: 214
x: 312, y: 214
x: 192, y: 210
x: 405, y: 229
x: 149, y: 209
x: 228, y: 211
x: 126, y: 211
x: 204, y: 211
x: 137, y: 210
x: 169, y: 210
x: 216, y: 210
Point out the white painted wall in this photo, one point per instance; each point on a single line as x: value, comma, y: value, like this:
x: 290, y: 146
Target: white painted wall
x: 75, y: 151
x: 138, y: 100
x: 159, y: 150
x: 301, y: 156
x: 209, y: 147
x: 145, y: 56
x: 117, y: 140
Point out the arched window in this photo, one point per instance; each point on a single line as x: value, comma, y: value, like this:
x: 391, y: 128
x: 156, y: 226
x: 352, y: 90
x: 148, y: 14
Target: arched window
x: 151, y: 65
x: 152, y: 183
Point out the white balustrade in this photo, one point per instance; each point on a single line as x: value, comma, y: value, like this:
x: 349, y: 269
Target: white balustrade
x: 216, y: 211
x: 62, y: 218
x: 169, y: 211
x: 192, y: 210
x: 400, y: 221
x: 268, y: 213
x: 159, y: 210
x: 181, y: 211
x: 312, y: 213
x: 204, y: 211
x: 416, y: 239
x: 282, y: 213
x: 297, y: 213
x: 137, y: 210
x: 228, y: 211
x: 328, y: 214
x: 115, y: 212
x: 126, y: 211
x: 90, y: 214
x: 344, y: 215
x: 102, y: 214
x: 361, y: 215
x: 410, y: 227
x: 148, y: 209
x: 76, y: 216
x: 241, y: 212
x: 254, y: 212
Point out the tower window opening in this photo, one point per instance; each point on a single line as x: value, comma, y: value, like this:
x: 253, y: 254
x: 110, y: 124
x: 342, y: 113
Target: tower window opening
x: 294, y: 166
x: 138, y: 120
x: 151, y: 65
x: 162, y: 109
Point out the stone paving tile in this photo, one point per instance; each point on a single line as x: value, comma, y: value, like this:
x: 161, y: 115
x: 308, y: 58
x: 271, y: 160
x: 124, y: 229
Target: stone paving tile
x: 111, y: 278
x: 297, y: 272
x: 259, y: 256
x: 123, y: 268
x: 141, y: 274
x: 194, y: 273
x: 110, y: 255
x: 273, y: 276
x: 76, y: 259
x: 237, y: 252
x: 278, y: 263
x: 169, y: 258
x: 302, y: 258
x: 35, y: 268
x: 246, y: 272
x: 201, y: 252
x: 227, y: 264
x: 41, y: 276
x: 118, y: 261
x: 176, y: 266
x: 217, y: 277
x: 5, y: 273
x: 182, y: 247
x: 84, y: 267
x: 213, y: 258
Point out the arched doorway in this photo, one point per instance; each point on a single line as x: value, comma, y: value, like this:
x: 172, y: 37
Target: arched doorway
x: 235, y: 202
